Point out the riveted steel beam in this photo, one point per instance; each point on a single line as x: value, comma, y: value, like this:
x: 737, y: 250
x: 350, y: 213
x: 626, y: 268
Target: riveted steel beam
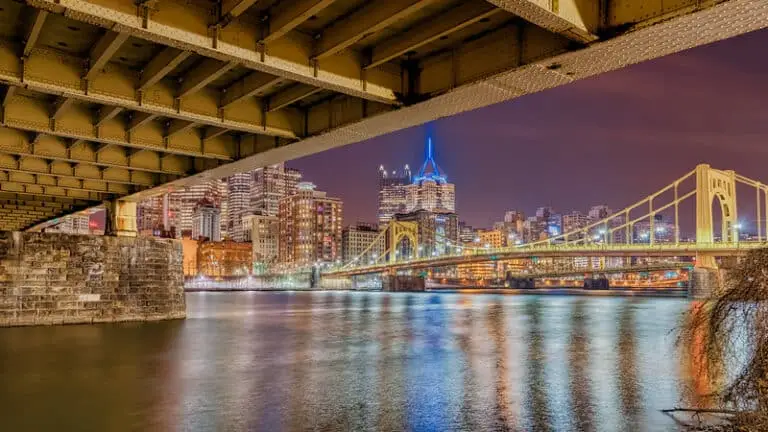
x: 96, y: 160
x: 106, y: 113
x: 34, y: 132
x: 64, y: 181
x: 372, y: 18
x: 161, y: 65
x: 8, y: 95
x: 139, y: 119
x: 569, y: 18
x: 177, y: 126
x: 290, y: 95
x: 22, y: 159
x: 104, y: 49
x: 231, y: 9
x: 213, y: 132
x: 44, y: 76
x: 438, y: 27
x: 59, y: 106
x: 38, y: 19
x: 253, y: 84
x: 287, y: 16
x: 202, y: 75
x: 121, y: 19
x: 52, y: 191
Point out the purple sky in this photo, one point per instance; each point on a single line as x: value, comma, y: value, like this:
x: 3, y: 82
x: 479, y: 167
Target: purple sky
x: 612, y: 139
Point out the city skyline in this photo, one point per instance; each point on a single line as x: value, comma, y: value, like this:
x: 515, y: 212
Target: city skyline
x: 584, y: 144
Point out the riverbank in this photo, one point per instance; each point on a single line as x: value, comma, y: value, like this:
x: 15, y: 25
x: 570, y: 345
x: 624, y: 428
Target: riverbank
x: 615, y: 292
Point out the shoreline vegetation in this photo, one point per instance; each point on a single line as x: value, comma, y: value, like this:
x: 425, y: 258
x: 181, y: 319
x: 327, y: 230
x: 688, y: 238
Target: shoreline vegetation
x: 727, y: 335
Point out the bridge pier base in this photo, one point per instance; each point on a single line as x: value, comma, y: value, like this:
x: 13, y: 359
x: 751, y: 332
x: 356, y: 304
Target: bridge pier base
x: 395, y: 283
x: 704, y: 282
x: 52, y: 278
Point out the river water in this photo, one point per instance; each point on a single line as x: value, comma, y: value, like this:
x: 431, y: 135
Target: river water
x: 352, y: 361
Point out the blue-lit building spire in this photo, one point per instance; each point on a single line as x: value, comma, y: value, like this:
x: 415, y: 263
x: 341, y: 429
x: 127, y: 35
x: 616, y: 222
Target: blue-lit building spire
x: 430, y: 170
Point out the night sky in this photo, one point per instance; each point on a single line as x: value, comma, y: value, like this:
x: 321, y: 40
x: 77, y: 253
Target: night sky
x: 611, y: 139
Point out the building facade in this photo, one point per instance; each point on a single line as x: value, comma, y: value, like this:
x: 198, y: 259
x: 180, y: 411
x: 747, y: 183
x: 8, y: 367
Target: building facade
x: 574, y: 221
x: 206, y: 222
x: 183, y: 204
x: 224, y: 259
x: 270, y: 185
x: 264, y: 235
x: 393, y: 191
x: 238, y: 204
x: 491, y: 238
x: 355, y: 242
x: 310, y: 225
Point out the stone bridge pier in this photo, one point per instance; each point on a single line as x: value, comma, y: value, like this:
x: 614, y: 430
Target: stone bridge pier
x: 53, y: 278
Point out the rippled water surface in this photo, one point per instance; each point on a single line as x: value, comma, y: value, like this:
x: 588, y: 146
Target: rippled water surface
x: 356, y: 361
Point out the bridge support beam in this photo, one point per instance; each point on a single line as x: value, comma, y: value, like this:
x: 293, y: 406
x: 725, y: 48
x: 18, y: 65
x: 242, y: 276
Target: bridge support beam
x: 120, y: 218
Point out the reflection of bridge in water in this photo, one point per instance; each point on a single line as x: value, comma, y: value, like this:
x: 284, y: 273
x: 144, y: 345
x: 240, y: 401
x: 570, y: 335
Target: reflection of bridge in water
x: 605, y: 245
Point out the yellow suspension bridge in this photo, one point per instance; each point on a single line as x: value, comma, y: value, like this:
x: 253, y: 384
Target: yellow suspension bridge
x: 612, y: 236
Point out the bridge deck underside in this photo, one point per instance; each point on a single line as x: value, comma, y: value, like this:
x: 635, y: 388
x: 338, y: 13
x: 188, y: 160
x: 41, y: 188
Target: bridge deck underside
x: 105, y: 99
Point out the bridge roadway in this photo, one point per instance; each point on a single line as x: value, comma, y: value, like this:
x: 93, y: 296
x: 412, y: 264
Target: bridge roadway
x: 107, y: 100
x: 557, y: 251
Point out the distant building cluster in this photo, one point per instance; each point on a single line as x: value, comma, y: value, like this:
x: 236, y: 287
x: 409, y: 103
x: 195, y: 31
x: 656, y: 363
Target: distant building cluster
x: 270, y: 218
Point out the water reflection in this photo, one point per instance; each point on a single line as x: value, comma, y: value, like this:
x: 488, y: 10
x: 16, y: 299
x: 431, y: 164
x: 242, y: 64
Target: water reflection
x: 629, y: 392
x: 578, y: 359
x: 356, y: 361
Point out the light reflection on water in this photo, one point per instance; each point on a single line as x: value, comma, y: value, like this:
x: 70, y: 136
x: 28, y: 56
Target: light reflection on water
x: 357, y: 361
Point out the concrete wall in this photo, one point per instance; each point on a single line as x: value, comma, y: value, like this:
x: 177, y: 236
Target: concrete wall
x: 51, y: 278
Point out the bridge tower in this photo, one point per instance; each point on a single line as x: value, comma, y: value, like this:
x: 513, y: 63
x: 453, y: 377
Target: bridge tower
x: 711, y: 184
x: 396, y: 232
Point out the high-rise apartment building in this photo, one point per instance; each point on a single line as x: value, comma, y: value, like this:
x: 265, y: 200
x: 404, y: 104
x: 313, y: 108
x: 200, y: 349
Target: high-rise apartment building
x: 238, y: 204
x: 491, y: 238
x: 574, y: 221
x: 270, y: 185
x: 206, y: 223
x: 355, y: 242
x: 599, y: 212
x: 264, y: 233
x: 182, y: 204
x: 392, y: 193
x: 310, y: 227
x: 466, y: 233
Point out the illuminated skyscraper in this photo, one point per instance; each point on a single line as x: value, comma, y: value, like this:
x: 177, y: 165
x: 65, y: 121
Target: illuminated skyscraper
x: 270, y: 185
x: 430, y: 189
x: 310, y: 227
x: 238, y: 204
x: 393, y: 188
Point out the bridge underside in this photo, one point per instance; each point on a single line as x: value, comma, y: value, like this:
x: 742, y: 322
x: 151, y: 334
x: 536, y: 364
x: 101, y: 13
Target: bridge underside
x: 108, y: 99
